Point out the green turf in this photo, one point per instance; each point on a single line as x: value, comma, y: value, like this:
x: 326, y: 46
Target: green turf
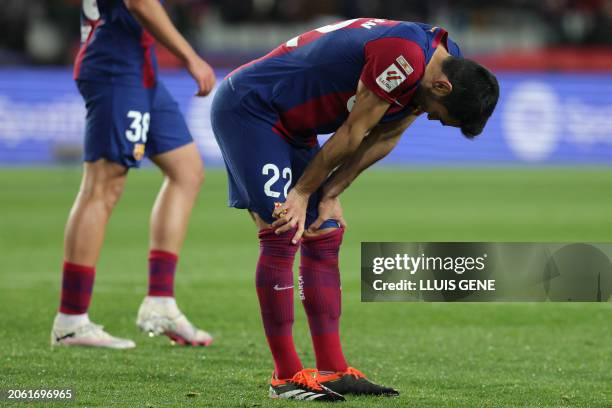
x: 438, y: 355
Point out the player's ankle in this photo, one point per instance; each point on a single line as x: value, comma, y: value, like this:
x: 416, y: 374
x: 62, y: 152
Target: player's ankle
x: 71, y: 320
x: 166, y: 300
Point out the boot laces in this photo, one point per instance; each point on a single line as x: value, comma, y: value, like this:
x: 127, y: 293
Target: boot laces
x: 354, y: 372
x: 307, y: 378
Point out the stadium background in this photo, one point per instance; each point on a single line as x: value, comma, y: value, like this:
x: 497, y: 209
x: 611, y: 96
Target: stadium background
x: 541, y: 172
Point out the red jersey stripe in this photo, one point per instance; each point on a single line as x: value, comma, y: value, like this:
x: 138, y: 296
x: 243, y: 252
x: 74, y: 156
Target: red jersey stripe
x: 81, y: 54
x: 148, y: 71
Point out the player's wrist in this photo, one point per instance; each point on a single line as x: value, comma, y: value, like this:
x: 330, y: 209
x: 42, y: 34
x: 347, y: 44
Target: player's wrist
x: 188, y: 56
x: 333, y: 191
x: 330, y: 195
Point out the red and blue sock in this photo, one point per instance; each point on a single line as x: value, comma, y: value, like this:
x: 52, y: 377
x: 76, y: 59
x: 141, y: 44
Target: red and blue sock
x: 162, y: 266
x: 321, y: 296
x: 77, y: 286
x: 274, y: 282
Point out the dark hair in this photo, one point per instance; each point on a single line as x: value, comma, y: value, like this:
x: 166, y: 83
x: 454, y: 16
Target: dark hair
x: 474, y: 95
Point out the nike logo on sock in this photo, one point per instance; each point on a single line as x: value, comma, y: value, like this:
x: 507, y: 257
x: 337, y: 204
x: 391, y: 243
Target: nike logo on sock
x: 276, y: 287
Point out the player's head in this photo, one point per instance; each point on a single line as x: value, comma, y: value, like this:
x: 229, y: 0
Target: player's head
x: 463, y: 94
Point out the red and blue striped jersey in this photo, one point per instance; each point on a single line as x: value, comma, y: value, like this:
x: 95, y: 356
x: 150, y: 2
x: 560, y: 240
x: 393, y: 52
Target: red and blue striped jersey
x: 310, y: 81
x: 114, y: 46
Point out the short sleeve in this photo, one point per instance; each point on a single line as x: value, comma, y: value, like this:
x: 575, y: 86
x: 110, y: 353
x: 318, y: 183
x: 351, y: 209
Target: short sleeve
x: 392, y: 67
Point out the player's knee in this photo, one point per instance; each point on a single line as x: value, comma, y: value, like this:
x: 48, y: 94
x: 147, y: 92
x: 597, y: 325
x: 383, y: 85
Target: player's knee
x: 113, y: 192
x: 103, y: 183
x: 190, y: 179
x: 103, y: 192
x: 199, y: 177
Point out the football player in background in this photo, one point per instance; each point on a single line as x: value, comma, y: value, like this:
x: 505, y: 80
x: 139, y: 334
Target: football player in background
x: 366, y: 80
x: 130, y: 115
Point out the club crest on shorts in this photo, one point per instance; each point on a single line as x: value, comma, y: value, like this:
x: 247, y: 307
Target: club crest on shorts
x: 139, y: 151
x: 391, y: 78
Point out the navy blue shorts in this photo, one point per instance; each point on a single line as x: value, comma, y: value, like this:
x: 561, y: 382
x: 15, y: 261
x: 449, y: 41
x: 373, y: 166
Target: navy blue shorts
x: 126, y: 123
x: 261, y: 166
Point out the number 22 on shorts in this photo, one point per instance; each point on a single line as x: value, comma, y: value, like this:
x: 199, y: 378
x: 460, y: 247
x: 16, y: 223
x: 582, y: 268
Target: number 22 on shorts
x: 276, y: 174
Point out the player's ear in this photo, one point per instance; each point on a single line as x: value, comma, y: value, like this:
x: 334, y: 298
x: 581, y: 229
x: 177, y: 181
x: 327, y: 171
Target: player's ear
x: 442, y: 87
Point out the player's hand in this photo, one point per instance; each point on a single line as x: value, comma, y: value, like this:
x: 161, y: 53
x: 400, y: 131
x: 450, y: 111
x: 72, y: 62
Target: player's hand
x: 329, y: 209
x: 202, y: 73
x: 291, y: 214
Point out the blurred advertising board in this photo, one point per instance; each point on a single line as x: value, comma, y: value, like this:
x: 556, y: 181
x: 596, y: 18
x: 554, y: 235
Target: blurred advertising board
x: 542, y: 118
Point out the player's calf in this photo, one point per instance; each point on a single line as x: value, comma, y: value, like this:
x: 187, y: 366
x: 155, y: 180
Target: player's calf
x: 100, y: 190
x: 184, y: 175
x: 320, y: 293
x: 274, y: 282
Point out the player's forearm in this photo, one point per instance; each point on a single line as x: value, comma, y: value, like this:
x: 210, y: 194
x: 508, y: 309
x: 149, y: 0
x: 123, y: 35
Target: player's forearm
x: 153, y: 17
x: 369, y: 108
x: 335, y: 151
x: 369, y: 152
x: 376, y: 146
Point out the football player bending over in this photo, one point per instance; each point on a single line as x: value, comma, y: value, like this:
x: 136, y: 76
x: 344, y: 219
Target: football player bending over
x: 366, y: 80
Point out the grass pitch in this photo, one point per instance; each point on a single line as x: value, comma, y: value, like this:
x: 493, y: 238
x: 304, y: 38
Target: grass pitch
x: 437, y: 355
